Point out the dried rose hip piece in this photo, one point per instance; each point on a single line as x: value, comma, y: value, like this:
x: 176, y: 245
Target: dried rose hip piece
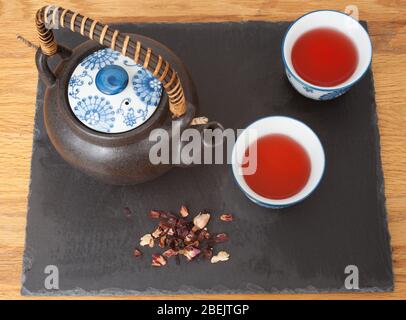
x: 226, y: 217
x: 172, y: 222
x: 158, y: 260
x: 158, y: 231
x: 169, y: 253
x: 191, y: 252
x: 219, y: 237
x: 127, y: 212
x: 207, y: 253
x: 164, y: 225
x: 190, y: 237
x: 183, y: 233
x: 162, y: 242
x: 154, y: 214
x: 195, y: 243
x: 137, y: 252
x: 203, y: 234
x: 181, y: 222
x: 184, y: 212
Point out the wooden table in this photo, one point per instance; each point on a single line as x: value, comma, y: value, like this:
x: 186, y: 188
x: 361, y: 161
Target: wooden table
x: 387, y: 25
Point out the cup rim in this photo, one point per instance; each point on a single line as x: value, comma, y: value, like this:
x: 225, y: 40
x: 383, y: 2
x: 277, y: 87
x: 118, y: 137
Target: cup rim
x: 276, y: 203
x: 320, y: 88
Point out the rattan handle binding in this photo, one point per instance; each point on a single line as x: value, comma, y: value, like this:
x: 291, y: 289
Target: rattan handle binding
x: 50, y: 17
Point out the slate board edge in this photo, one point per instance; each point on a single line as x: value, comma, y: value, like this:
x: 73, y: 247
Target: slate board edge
x: 27, y: 256
x: 381, y: 178
x: 250, y: 289
x: 192, y: 290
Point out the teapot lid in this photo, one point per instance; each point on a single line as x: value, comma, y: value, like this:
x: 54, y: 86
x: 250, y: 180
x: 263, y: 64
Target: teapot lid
x: 109, y: 93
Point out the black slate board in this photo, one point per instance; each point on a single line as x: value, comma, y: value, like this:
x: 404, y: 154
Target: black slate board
x: 78, y: 225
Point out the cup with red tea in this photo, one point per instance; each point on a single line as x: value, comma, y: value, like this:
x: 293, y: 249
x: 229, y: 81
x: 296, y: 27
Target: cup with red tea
x: 325, y: 53
x: 278, y: 161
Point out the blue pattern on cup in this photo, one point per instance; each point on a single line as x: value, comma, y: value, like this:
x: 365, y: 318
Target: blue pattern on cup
x: 307, y: 89
x: 332, y: 94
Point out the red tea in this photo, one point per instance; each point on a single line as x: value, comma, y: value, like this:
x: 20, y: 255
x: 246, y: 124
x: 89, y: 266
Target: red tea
x: 283, y: 167
x: 324, y: 57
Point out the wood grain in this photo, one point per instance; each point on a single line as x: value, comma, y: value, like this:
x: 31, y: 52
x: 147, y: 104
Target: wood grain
x: 387, y: 25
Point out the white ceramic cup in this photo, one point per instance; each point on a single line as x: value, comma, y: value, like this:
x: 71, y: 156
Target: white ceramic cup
x: 327, y: 19
x: 296, y: 130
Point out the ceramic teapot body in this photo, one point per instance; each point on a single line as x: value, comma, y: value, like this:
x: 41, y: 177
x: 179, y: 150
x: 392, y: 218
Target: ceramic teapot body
x: 118, y: 158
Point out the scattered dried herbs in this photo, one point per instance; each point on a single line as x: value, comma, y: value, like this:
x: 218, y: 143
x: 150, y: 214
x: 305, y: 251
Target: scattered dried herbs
x: 180, y: 236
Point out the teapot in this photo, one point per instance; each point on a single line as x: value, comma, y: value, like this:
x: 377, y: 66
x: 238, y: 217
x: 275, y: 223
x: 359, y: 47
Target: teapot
x: 106, y: 96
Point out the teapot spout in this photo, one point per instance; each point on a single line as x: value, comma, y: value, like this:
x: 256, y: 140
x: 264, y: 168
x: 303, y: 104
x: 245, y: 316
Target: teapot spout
x: 191, y: 152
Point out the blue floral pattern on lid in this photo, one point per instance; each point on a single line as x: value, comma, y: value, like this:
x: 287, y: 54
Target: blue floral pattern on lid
x: 100, y: 59
x: 96, y: 112
x: 77, y: 81
x: 147, y: 87
x: 112, y: 111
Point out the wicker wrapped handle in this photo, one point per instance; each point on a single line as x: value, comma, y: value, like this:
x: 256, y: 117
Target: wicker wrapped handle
x: 51, y: 17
